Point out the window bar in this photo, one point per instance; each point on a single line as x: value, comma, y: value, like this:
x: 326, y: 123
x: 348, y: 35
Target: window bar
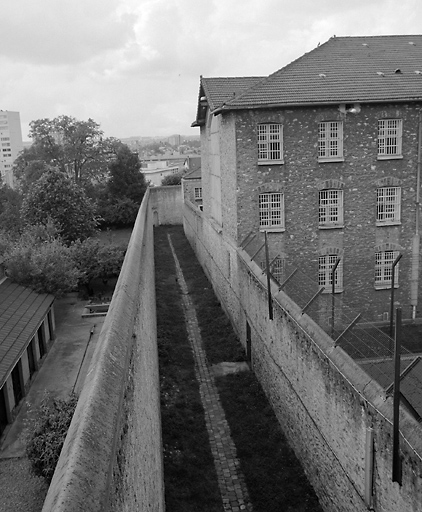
x: 393, y: 270
x: 252, y: 257
x: 333, y: 290
x: 348, y: 328
x: 287, y: 279
x: 317, y: 294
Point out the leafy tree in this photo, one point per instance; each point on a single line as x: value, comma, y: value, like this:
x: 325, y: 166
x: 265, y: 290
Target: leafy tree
x: 172, y: 179
x: 28, y: 168
x: 40, y: 260
x: 55, y: 196
x: 124, y: 190
x: 95, y: 260
x: 126, y: 180
x: 77, y: 148
x: 48, y: 433
x: 10, y: 204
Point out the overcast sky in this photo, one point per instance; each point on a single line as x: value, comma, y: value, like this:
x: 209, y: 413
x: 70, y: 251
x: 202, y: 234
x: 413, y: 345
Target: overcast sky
x: 134, y: 65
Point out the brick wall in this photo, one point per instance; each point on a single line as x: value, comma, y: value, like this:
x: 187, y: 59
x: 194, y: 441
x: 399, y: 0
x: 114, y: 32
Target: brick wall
x: 323, y: 400
x: 301, y: 175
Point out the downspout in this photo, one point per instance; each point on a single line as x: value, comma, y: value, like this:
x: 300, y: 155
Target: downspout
x: 414, y: 281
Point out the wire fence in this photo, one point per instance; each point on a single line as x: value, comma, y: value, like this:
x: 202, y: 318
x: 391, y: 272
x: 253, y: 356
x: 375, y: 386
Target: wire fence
x: 370, y: 346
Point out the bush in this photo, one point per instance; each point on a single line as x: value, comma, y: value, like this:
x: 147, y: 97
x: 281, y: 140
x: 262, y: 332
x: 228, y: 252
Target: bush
x: 40, y: 260
x: 48, y: 433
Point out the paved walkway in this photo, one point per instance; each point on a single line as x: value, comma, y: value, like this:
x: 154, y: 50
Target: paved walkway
x: 63, y: 370
x: 231, y: 481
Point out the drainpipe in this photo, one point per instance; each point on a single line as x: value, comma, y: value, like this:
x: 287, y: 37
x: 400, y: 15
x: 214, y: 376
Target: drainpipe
x: 414, y: 281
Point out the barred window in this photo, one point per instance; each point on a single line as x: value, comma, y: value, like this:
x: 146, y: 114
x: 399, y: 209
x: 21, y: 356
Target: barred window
x: 270, y: 142
x: 330, y: 140
x: 383, y: 269
x: 388, y: 205
x: 330, y: 212
x: 277, y: 268
x: 389, y: 138
x: 198, y: 192
x: 325, y: 267
x: 271, y: 210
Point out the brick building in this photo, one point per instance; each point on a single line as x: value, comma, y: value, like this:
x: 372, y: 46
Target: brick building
x: 324, y: 155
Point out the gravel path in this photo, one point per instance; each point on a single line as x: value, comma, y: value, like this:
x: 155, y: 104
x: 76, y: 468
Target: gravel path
x: 20, y: 489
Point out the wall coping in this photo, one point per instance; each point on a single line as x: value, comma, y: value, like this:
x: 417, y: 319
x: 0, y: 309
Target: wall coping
x: 82, y: 480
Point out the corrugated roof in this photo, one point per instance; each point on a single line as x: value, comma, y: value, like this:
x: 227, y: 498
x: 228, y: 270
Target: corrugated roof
x: 21, y: 312
x: 343, y: 70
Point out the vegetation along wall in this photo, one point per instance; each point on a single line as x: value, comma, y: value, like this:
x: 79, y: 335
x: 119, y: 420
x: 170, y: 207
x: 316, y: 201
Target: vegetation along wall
x: 336, y: 418
x: 112, y: 456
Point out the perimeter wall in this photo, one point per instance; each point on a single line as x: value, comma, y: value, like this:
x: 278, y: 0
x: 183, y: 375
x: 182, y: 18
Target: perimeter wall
x: 112, y: 456
x: 336, y: 418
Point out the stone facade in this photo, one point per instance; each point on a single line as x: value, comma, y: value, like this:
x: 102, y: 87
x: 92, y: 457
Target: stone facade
x: 302, y: 176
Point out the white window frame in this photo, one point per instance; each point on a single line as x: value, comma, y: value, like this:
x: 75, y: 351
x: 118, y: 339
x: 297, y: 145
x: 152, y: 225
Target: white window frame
x: 388, y: 206
x: 390, y: 134
x: 197, y: 192
x: 383, y: 268
x: 330, y: 141
x: 270, y: 143
x: 326, y: 263
x: 330, y: 208
x: 271, y: 211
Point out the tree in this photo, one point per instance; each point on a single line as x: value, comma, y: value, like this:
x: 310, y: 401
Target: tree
x: 96, y: 261
x: 10, y: 204
x: 75, y: 147
x: 126, y: 180
x: 55, y: 196
x: 40, y: 260
x: 172, y: 179
x: 124, y: 189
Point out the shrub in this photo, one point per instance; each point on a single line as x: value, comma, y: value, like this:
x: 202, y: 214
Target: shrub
x: 48, y: 433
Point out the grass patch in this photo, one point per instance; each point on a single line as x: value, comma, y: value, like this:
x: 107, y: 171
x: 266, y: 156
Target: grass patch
x: 274, y: 476
x: 189, y: 473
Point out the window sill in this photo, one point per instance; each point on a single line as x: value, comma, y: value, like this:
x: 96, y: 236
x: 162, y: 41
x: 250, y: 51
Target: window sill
x: 331, y: 226
x: 328, y: 290
x: 385, y: 286
x: 270, y: 162
x: 389, y: 157
x: 324, y: 160
x: 380, y: 224
x: 272, y: 230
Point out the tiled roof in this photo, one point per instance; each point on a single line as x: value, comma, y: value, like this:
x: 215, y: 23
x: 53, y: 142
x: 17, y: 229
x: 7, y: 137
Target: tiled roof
x: 193, y: 175
x: 21, y: 313
x: 219, y: 90
x: 342, y: 70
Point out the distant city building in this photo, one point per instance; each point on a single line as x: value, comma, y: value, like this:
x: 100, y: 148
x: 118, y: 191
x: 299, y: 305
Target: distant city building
x: 10, y: 143
x: 175, y: 140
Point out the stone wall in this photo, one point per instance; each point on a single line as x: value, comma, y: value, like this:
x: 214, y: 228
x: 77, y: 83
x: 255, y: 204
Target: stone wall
x: 299, y: 179
x: 166, y: 204
x: 327, y: 405
x: 112, y: 456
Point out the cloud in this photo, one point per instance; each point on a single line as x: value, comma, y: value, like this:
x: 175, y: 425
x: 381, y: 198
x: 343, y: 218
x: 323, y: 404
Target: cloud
x: 134, y: 65
x: 56, y: 32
